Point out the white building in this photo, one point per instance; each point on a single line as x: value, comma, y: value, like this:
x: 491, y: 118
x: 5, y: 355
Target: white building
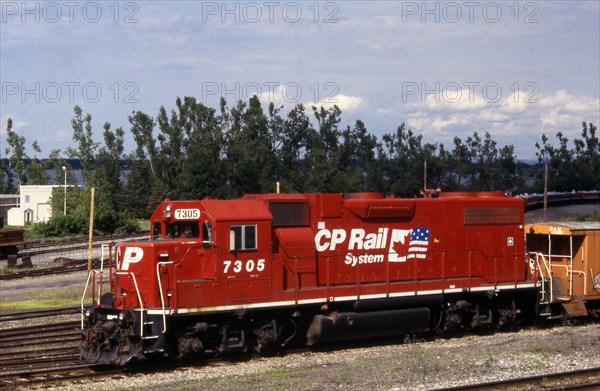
x: 34, y: 205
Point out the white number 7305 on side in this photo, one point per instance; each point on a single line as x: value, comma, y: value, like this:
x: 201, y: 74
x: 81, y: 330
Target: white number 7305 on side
x: 239, y: 266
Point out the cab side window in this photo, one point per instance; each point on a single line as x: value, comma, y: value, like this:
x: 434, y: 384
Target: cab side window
x: 156, y: 228
x: 207, y: 234
x: 242, y: 237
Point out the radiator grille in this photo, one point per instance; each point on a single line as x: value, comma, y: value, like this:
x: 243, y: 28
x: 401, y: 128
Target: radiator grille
x: 290, y: 214
x: 490, y: 215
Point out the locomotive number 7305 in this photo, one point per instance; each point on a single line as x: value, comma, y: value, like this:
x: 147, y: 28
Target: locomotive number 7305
x: 239, y: 266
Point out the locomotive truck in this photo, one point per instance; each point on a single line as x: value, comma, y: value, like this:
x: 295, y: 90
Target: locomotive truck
x: 269, y: 271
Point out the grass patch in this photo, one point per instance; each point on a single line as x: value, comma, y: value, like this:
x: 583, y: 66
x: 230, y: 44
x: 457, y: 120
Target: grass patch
x: 582, y: 217
x: 13, y: 270
x: 47, y: 299
x: 143, y: 225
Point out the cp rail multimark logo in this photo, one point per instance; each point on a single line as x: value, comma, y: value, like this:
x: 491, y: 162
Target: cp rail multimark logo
x: 401, y: 244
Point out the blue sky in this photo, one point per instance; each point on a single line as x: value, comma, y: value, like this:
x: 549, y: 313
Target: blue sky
x: 446, y: 69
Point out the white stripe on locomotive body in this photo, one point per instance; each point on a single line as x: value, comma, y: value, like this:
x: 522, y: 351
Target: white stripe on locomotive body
x: 293, y: 303
x: 344, y: 298
x: 375, y: 296
x: 453, y: 290
x: 402, y: 294
x: 431, y: 292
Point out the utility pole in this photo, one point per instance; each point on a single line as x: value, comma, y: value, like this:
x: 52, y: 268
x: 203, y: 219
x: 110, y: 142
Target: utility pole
x: 65, y: 193
x: 425, y: 175
x: 91, y: 233
x: 545, y: 190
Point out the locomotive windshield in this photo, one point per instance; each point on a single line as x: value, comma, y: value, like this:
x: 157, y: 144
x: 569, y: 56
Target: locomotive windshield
x: 188, y: 229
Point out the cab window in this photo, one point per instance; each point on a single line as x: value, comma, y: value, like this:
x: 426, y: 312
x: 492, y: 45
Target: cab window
x: 156, y: 234
x: 242, y: 237
x: 188, y: 229
x: 207, y: 234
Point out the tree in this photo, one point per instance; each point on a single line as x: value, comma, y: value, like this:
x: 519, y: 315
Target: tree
x: 107, y: 177
x: 205, y: 172
x: 322, y: 165
x: 356, y: 156
x: 459, y: 165
x: 143, y: 188
x: 560, y: 163
x: 250, y: 154
x: 587, y: 158
x: 406, y: 157
x: 292, y: 142
x: 36, y: 171
x: 16, y: 145
x: 171, y: 162
x: 86, y: 147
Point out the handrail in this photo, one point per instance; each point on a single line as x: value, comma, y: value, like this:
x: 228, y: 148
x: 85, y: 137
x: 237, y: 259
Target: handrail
x: 584, y: 280
x: 541, y: 274
x: 83, y: 296
x: 137, y: 291
x: 162, y: 299
x: 537, y: 257
x: 87, y: 283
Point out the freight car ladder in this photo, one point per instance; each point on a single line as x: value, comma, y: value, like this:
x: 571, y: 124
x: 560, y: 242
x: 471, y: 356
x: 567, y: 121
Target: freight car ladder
x: 542, y: 268
x: 557, y: 274
x: 565, y: 259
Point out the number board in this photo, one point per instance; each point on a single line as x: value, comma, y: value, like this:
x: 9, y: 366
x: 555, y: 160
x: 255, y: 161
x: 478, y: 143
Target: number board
x: 187, y: 214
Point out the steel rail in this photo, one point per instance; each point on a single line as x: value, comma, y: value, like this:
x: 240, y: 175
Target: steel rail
x: 545, y: 380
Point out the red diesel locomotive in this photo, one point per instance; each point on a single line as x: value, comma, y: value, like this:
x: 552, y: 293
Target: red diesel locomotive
x: 267, y: 271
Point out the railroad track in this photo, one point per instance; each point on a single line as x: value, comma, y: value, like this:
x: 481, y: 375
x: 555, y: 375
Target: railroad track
x: 47, y: 334
x: 67, y: 373
x: 47, y: 271
x: 36, y: 248
x: 30, y: 250
x: 583, y: 379
x: 45, y: 352
x: 22, y: 315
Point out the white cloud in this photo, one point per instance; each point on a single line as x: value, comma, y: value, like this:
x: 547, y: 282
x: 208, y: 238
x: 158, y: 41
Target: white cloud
x: 509, y: 121
x: 344, y: 102
x: 563, y: 111
x: 492, y: 116
x: 445, y: 97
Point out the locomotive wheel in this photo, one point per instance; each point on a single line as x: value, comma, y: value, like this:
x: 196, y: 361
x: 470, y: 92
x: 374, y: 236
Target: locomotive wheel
x: 272, y: 336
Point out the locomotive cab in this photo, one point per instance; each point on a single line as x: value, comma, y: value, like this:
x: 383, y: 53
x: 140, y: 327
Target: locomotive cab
x: 180, y: 270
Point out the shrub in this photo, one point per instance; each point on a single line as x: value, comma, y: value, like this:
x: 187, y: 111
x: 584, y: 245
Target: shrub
x: 60, y: 226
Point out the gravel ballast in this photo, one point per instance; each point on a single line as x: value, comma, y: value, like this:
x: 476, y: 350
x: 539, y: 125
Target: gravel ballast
x: 406, y: 366
x: 420, y: 365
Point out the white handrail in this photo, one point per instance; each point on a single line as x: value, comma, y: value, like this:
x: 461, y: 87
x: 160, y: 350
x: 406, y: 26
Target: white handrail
x: 162, y: 299
x: 137, y: 291
x: 543, y: 292
x: 548, y: 271
x: 83, y: 297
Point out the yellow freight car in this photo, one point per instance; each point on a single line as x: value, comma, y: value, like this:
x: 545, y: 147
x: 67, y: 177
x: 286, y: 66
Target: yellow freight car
x: 566, y: 257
